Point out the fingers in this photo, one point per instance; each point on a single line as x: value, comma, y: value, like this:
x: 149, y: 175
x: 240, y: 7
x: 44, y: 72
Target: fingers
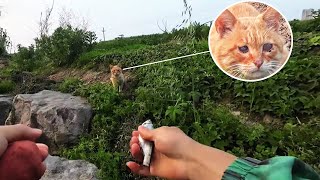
x: 41, y: 170
x: 136, y: 152
x: 43, y: 150
x: 138, y: 169
x: 3, y: 145
x: 146, y: 133
x: 19, y: 132
x: 134, y: 140
x: 135, y: 133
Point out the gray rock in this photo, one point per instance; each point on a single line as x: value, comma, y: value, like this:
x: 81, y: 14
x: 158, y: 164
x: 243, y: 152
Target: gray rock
x: 63, y: 169
x: 62, y: 117
x: 5, y: 107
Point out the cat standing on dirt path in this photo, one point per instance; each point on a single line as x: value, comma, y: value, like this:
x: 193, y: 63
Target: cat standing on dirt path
x: 247, y: 44
x: 117, y: 77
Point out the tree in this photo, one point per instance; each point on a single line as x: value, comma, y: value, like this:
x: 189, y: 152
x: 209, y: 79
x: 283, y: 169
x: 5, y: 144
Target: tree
x: 45, y: 22
x: 68, y: 18
x: 316, y: 14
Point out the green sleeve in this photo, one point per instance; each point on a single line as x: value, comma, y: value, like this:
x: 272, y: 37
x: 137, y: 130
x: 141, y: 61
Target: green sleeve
x: 281, y: 167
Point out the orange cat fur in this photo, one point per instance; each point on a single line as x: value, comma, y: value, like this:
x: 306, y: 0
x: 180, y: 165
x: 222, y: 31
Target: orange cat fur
x: 117, y: 77
x: 246, y: 43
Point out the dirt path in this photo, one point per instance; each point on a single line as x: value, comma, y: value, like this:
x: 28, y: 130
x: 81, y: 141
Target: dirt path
x: 88, y: 76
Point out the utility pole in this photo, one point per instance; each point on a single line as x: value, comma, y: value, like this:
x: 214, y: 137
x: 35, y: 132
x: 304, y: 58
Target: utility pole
x: 104, y: 37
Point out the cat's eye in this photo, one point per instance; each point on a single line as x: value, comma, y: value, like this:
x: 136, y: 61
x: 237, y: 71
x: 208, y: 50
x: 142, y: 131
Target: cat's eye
x: 244, y: 49
x: 267, y: 47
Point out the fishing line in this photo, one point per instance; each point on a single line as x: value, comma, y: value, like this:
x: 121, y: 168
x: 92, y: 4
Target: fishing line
x: 171, y: 59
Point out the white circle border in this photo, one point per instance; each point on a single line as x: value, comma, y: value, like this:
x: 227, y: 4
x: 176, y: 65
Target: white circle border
x: 264, y: 78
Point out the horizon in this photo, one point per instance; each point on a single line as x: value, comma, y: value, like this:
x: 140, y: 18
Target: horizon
x: 142, y: 17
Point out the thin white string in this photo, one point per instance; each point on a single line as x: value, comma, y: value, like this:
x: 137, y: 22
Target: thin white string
x: 171, y: 59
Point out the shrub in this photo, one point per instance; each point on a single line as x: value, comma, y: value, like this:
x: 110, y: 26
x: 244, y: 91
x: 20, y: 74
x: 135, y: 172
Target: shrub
x: 6, y: 86
x: 70, y: 85
x: 67, y: 44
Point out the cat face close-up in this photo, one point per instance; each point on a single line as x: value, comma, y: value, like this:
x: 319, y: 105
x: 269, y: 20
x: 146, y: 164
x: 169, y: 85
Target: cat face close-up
x: 247, y: 44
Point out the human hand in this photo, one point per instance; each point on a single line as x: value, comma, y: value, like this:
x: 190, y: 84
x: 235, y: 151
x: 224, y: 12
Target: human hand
x: 171, y: 155
x: 20, y: 157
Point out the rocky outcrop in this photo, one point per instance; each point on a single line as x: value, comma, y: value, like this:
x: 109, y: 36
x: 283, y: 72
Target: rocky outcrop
x: 62, y: 117
x: 5, y: 107
x: 63, y: 169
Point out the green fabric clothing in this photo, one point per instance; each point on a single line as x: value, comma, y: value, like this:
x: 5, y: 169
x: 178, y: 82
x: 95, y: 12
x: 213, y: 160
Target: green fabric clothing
x: 281, y: 167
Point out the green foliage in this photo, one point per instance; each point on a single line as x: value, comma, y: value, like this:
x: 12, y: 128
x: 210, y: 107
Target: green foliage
x: 62, y: 48
x: 67, y: 44
x: 312, y: 25
x: 25, y: 59
x: 6, y: 86
x: 70, y: 85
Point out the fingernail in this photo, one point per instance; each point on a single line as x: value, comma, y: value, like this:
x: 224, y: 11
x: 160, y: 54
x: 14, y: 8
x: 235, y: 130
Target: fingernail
x: 42, y: 146
x: 37, y: 130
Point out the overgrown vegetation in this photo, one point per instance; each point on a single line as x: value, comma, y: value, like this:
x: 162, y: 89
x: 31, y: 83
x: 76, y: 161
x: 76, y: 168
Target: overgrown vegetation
x: 191, y: 93
x: 6, y: 86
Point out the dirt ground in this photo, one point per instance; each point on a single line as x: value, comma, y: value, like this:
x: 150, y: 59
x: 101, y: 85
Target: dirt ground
x: 87, y: 76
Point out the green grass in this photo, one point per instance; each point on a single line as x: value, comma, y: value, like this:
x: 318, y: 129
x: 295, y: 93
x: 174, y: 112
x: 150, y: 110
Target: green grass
x: 6, y: 86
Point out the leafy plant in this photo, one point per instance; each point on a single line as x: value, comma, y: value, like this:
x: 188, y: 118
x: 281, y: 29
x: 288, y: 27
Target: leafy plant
x: 6, y: 86
x: 70, y: 85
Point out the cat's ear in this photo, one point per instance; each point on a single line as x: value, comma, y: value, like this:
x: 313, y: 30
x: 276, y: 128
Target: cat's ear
x: 272, y: 18
x: 110, y: 66
x: 225, y: 23
x: 119, y: 65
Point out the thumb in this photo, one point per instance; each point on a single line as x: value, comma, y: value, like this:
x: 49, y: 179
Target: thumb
x: 146, y: 134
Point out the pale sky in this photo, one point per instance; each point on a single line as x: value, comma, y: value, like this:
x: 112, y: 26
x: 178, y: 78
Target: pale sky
x: 128, y: 17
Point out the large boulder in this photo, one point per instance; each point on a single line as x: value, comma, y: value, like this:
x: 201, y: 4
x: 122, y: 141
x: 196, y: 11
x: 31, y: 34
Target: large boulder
x: 62, y: 117
x: 63, y: 169
x: 5, y: 107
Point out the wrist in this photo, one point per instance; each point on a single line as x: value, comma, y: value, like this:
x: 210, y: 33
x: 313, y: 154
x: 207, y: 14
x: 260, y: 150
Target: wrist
x: 205, y: 162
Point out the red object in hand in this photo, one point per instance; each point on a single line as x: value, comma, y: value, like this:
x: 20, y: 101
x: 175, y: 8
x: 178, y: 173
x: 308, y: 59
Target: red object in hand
x: 21, y: 161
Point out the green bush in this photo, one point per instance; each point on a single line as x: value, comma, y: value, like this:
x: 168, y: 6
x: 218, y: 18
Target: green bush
x: 25, y: 59
x: 67, y: 44
x: 312, y: 25
x: 70, y: 85
x: 62, y: 48
x: 6, y: 86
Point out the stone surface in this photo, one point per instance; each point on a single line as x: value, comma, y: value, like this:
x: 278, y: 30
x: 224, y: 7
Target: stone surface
x: 63, y: 169
x: 62, y: 117
x: 236, y: 113
x: 5, y: 107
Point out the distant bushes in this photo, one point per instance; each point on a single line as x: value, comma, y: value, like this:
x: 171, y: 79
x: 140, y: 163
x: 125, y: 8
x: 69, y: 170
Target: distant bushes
x: 62, y: 48
x: 312, y: 25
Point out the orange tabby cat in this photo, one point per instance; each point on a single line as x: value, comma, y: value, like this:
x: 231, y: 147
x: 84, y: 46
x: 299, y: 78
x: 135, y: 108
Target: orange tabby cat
x: 246, y: 43
x: 117, y: 77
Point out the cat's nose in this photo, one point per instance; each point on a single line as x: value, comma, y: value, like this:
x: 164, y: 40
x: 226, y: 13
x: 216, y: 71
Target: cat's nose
x: 258, y: 63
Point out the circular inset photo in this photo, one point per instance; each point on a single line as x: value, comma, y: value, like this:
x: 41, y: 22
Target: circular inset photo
x: 250, y: 41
